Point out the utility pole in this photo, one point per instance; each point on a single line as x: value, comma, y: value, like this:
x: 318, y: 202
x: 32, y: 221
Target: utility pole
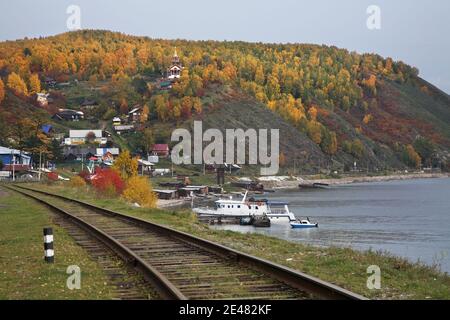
x: 13, y: 165
x: 40, y: 164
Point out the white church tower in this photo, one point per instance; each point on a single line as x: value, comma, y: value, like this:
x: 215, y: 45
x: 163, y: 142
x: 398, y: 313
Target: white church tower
x: 174, y: 72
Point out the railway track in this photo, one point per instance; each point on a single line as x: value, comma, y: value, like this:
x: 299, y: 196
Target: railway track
x: 182, y: 266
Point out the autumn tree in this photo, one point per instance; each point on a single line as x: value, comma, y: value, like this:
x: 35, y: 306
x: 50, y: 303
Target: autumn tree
x: 123, y: 106
x: 314, y: 131
x: 357, y: 148
x: 425, y: 148
x: 411, y: 157
x: 144, y: 114
x: 186, y: 107
x: 370, y: 84
x: 259, y: 75
x: 161, y: 107
x: 312, y: 113
x: 35, y: 84
x: 17, y: 85
x: 197, y: 105
x: 125, y: 165
x: 139, y: 190
x: 329, y: 142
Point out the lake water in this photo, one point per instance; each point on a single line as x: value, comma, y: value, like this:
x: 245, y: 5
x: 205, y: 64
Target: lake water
x: 409, y: 218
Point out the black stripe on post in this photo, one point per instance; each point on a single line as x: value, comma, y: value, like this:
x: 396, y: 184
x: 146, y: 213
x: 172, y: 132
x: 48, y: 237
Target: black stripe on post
x: 49, y: 254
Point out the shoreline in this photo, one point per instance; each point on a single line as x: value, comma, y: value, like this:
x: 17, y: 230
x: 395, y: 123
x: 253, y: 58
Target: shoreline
x: 293, y: 184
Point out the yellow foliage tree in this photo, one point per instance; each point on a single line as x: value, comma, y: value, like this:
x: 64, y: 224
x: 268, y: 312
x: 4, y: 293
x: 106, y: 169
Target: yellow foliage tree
x: 412, y: 157
x: 77, y: 182
x: 16, y: 84
x: 197, y: 105
x: 312, y: 112
x: 144, y: 114
x: 35, y: 83
x: 125, y: 165
x: 139, y: 190
x: 314, y: 131
x: 259, y: 75
x: 367, y: 118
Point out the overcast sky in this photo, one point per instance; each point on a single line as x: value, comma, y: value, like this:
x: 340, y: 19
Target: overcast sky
x: 415, y: 31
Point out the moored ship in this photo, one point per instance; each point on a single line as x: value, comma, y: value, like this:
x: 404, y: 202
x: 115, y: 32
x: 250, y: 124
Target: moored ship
x: 233, y: 208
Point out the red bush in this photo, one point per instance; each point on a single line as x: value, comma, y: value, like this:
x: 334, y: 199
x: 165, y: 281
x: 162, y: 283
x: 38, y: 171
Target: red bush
x: 52, y: 176
x: 107, y: 181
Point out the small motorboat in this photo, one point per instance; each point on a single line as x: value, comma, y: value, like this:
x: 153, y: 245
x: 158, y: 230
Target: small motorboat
x: 303, y: 224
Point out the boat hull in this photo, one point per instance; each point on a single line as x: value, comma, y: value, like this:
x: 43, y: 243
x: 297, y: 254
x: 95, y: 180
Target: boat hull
x: 303, y: 226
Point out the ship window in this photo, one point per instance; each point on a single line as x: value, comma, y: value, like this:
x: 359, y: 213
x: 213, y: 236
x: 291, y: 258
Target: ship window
x: 228, y: 206
x: 239, y: 206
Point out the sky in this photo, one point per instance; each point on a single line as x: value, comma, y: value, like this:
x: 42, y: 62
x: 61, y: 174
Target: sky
x: 414, y: 31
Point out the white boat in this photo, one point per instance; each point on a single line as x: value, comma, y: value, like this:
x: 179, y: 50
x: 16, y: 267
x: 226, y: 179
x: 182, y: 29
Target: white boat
x: 303, y: 224
x: 226, y: 208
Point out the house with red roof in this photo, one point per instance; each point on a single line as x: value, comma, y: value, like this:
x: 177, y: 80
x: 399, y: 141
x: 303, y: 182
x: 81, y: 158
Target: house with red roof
x: 160, y: 149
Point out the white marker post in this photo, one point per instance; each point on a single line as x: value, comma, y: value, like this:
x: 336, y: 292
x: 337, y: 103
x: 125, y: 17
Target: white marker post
x: 48, y: 245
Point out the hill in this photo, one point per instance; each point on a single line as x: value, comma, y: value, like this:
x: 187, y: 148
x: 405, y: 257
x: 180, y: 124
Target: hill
x: 334, y: 107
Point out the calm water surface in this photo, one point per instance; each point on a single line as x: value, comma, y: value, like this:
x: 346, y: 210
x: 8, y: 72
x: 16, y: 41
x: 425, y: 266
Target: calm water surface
x: 408, y: 218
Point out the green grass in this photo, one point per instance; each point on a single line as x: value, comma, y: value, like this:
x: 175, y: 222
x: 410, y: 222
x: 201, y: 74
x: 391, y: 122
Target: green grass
x: 24, y: 273
x: 342, y: 266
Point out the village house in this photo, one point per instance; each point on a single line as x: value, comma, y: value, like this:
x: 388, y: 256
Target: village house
x: 89, y: 104
x: 189, y: 191
x: 47, y: 129
x: 116, y: 121
x: 145, y: 167
x: 78, y: 137
x: 161, y: 150
x: 135, y: 114
x: 68, y: 115
x: 166, y: 194
x: 50, y: 82
x: 42, y: 99
x: 123, y: 128
x: 13, y: 160
x: 153, y: 158
x: 107, y: 154
x: 100, y: 152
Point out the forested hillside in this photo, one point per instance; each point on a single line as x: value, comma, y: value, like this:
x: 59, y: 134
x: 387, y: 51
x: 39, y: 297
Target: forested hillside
x: 345, y: 106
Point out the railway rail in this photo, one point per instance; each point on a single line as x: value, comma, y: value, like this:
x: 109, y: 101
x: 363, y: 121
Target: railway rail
x: 181, y: 266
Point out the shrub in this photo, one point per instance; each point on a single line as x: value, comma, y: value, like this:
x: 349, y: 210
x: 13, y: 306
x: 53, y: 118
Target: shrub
x: 52, y: 176
x: 77, y: 182
x: 139, y: 190
x: 107, y: 182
